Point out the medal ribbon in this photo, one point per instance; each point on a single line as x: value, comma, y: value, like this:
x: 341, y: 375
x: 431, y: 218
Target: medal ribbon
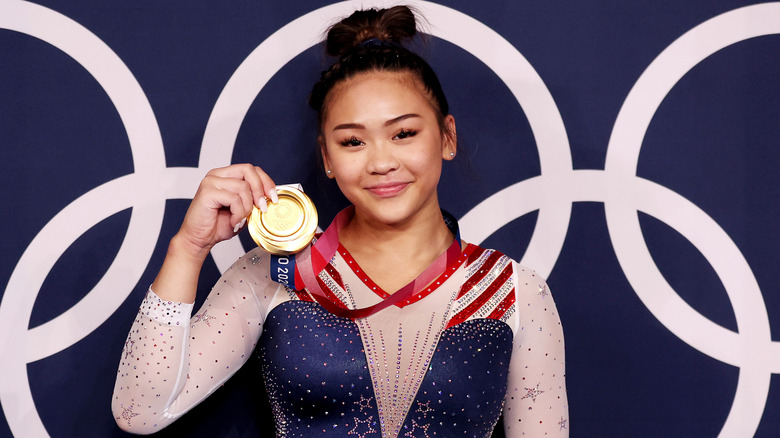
x: 312, y: 260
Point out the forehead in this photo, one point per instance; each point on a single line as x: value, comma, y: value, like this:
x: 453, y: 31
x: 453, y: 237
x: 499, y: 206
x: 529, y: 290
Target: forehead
x: 376, y: 93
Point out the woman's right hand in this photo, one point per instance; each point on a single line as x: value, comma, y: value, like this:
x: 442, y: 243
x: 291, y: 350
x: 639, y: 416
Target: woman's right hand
x: 221, y: 205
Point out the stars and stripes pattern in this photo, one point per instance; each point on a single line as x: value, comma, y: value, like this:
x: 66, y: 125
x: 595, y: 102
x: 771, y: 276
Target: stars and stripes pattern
x: 489, y: 290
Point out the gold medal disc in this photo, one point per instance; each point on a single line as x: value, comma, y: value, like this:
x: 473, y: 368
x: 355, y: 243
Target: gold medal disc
x: 288, y: 225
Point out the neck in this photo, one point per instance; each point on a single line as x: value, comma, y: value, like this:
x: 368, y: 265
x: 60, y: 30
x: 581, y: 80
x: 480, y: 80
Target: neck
x: 425, y: 235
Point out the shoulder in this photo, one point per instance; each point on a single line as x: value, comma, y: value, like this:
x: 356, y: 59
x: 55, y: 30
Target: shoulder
x: 491, y: 263
x: 530, y: 282
x: 252, y: 268
x: 488, y: 289
x: 483, y: 261
x: 250, y: 275
x: 500, y: 287
x: 254, y: 260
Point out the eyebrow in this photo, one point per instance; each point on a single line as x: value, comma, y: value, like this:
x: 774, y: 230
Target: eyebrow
x: 387, y: 123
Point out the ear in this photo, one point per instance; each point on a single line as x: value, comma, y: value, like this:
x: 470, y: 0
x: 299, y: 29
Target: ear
x: 449, y: 139
x: 324, y: 155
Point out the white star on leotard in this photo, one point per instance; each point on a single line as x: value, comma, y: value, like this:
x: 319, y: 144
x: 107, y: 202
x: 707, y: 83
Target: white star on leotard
x: 205, y: 317
x: 424, y: 408
x: 128, y: 414
x: 533, y: 393
x: 367, y: 421
x: 364, y: 403
x: 417, y: 426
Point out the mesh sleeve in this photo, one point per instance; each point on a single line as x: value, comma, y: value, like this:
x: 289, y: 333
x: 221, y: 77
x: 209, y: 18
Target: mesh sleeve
x: 536, y: 404
x: 173, y: 360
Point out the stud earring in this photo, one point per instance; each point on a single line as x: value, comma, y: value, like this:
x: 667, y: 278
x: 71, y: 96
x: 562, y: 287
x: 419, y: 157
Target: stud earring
x: 452, y: 154
x: 329, y: 172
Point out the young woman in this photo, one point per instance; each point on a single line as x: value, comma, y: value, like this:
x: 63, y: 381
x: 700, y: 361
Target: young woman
x: 402, y: 330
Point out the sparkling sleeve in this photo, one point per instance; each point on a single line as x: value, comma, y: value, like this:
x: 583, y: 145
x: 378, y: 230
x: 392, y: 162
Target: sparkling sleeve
x: 172, y: 361
x: 535, y: 404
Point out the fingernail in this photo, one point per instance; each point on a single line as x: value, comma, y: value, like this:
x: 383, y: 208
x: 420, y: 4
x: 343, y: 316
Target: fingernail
x: 239, y: 225
x: 263, y: 205
x: 274, y: 196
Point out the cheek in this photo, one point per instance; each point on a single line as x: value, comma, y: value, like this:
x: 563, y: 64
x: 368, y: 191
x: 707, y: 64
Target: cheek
x: 349, y: 184
x: 347, y: 169
x: 428, y: 161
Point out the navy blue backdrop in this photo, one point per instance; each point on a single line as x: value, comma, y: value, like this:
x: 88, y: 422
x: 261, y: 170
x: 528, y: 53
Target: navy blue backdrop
x: 626, y: 150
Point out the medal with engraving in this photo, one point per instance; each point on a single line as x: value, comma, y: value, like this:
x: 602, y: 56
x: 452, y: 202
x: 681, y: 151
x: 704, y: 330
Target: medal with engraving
x: 288, y: 225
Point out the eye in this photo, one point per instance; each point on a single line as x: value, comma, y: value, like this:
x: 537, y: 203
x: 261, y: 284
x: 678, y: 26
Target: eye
x: 352, y: 141
x: 405, y: 133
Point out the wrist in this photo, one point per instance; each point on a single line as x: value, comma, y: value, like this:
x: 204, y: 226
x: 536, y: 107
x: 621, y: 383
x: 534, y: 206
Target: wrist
x: 178, y: 276
x: 182, y: 248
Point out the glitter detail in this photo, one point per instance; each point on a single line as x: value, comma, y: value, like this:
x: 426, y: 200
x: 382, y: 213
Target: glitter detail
x: 128, y: 414
x: 533, y: 393
x: 364, y: 403
x: 398, y: 359
x: 165, y: 312
x: 367, y: 422
x: 489, y: 290
x: 426, y: 405
x: 331, y: 288
x: 314, y: 370
x: 128, y: 348
x: 302, y: 294
x: 479, y: 269
x: 401, y: 372
x: 543, y: 290
x: 424, y: 428
x: 255, y: 259
x: 203, y: 317
x: 463, y: 390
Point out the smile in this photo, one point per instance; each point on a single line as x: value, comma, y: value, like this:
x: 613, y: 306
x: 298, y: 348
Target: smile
x: 387, y: 190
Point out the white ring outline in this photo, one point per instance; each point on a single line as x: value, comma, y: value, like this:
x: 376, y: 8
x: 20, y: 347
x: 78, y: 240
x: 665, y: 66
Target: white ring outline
x: 638, y: 185
x: 19, y: 345
x: 144, y: 187
x: 624, y: 194
x: 750, y: 349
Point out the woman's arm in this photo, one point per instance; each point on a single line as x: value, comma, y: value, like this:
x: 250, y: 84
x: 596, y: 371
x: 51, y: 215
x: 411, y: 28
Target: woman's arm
x: 535, y: 403
x: 171, y: 361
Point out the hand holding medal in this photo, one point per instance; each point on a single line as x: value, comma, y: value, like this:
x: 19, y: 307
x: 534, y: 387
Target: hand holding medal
x: 288, y: 225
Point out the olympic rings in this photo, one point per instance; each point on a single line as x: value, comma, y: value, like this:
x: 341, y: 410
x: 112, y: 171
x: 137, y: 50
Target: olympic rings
x: 552, y: 193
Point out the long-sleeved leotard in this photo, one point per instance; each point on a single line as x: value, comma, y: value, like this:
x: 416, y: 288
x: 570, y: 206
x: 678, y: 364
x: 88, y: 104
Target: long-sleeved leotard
x: 483, y: 339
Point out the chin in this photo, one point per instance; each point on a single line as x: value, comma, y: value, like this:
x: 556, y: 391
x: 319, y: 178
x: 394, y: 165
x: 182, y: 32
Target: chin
x: 387, y: 215
x: 393, y: 218
x: 392, y: 213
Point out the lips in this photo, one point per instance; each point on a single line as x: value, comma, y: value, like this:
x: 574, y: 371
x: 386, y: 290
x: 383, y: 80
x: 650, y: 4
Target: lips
x: 387, y: 190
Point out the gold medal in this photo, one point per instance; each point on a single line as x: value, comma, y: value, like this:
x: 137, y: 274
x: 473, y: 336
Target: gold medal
x: 288, y: 225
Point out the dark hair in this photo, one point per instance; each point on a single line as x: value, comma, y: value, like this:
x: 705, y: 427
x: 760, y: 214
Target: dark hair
x: 371, y: 40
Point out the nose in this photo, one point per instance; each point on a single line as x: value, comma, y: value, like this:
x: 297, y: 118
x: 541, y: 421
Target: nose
x: 382, y: 159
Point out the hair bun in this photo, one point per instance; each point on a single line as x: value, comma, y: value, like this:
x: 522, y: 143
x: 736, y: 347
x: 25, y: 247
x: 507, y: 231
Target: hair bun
x: 394, y: 24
